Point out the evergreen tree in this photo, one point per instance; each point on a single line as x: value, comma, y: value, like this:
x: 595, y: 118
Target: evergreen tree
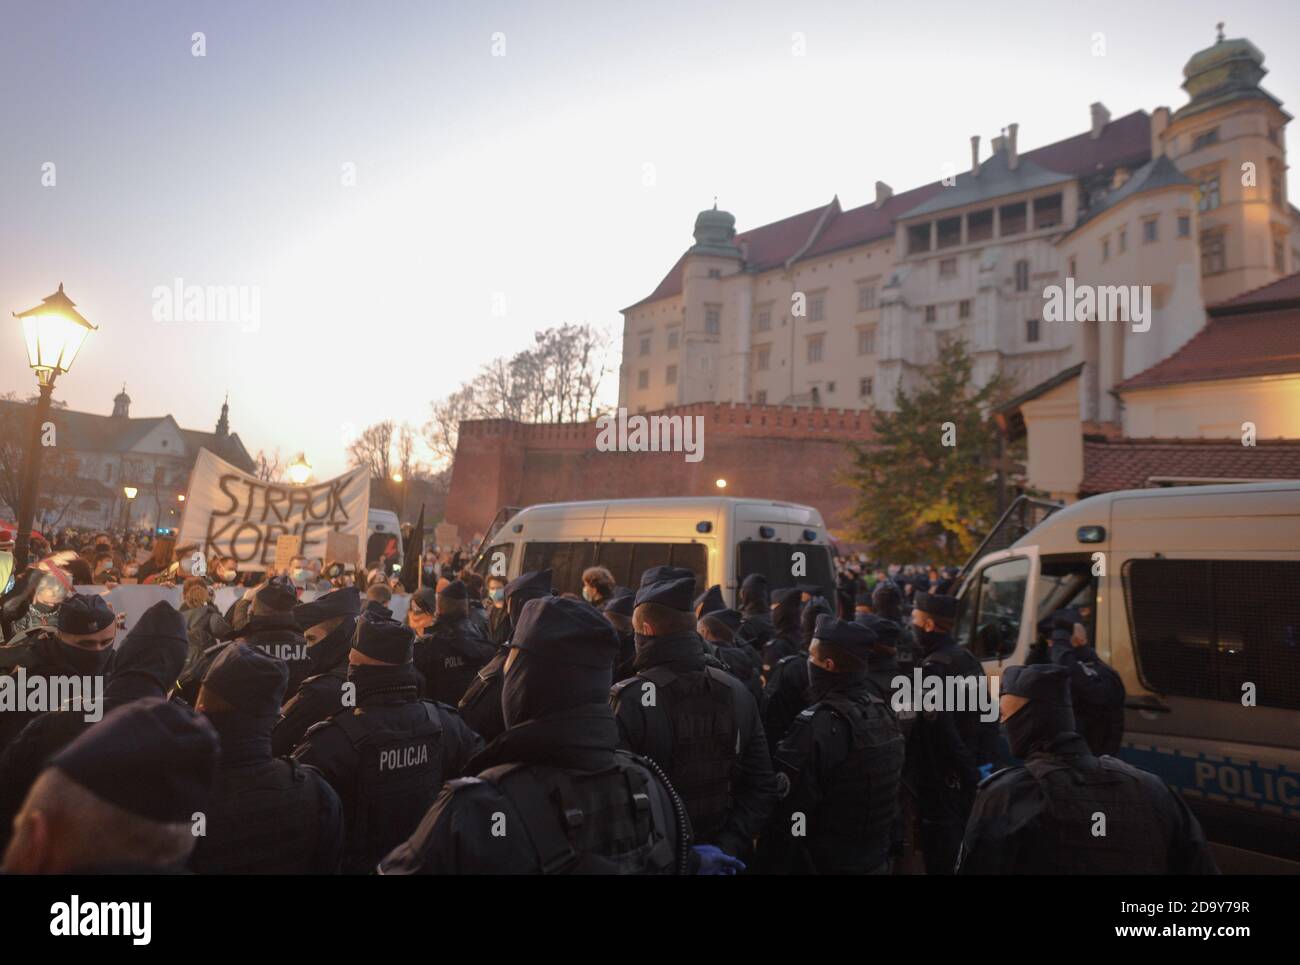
x: 927, y: 483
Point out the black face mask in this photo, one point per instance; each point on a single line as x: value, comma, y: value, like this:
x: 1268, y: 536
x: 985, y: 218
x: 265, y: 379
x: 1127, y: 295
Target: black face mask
x: 820, y: 680
x: 87, y: 663
x: 1037, y: 724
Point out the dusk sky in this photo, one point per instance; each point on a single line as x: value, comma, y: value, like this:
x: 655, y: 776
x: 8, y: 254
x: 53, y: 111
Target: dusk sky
x: 476, y: 174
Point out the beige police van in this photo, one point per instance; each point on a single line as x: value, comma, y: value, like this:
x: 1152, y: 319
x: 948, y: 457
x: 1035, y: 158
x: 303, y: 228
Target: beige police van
x: 721, y: 539
x: 1193, y: 595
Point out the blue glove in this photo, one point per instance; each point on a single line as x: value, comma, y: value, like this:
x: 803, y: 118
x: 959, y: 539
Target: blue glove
x: 715, y: 861
x: 985, y: 770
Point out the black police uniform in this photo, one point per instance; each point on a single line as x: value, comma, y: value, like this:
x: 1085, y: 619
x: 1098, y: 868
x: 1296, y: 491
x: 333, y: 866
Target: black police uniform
x: 946, y: 750
x: 553, y: 793
x: 268, y: 816
x: 785, y: 623
x: 388, y: 756
x: 1066, y: 811
x: 145, y: 665
x: 698, y: 723
x: 41, y: 653
x: 321, y: 693
x: 449, y: 657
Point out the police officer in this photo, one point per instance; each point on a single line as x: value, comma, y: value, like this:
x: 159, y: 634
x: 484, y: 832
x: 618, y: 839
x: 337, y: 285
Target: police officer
x: 553, y: 793
x: 618, y: 611
x: 756, y: 606
x: 268, y: 816
x: 145, y: 665
x: 786, y: 693
x: 451, y: 649
x: 696, y: 721
x: 1095, y: 687
x: 387, y: 756
x: 718, y: 631
x: 787, y: 604
x: 841, y: 762
x: 121, y: 798
x: 81, y: 646
x: 481, y: 704
x: 328, y: 624
x: 887, y: 603
x: 950, y: 748
x: 1066, y: 811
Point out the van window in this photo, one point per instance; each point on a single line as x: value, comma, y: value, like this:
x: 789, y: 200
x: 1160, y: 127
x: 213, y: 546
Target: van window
x: 989, y: 623
x: 627, y: 561
x: 1067, y: 581
x: 775, y: 561
x: 1205, y: 628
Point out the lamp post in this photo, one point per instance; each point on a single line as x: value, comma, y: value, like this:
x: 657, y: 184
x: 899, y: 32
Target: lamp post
x: 130, y: 493
x: 299, y: 470
x: 54, y: 331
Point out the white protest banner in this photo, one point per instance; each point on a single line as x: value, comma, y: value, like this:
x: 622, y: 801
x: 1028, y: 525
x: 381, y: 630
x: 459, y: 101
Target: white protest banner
x: 231, y: 513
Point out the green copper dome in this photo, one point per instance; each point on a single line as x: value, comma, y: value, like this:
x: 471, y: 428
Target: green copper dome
x: 1229, y: 70
x: 715, y: 233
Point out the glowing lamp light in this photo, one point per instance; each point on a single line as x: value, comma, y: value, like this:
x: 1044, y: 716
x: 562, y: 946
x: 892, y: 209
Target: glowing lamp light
x: 721, y: 484
x: 299, y: 470
x: 54, y: 331
x: 129, y: 492
x: 180, y: 497
x: 397, y: 477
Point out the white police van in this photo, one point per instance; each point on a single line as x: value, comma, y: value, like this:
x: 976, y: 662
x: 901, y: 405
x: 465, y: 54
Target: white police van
x: 1193, y: 595
x: 721, y: 539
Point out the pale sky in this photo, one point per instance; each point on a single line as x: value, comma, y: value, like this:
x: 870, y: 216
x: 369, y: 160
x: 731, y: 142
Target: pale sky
x: 516, y: 177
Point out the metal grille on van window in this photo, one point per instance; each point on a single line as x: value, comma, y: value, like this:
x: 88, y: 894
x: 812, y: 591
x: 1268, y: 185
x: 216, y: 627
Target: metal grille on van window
x: 1206, y: 628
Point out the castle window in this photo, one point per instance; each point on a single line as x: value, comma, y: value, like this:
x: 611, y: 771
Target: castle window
x: 1123, y: 240
x: 1022, y: 275
x: 948, y: 232
x: 763, y: 358
x: 948, y: 268
x: 674, y: 337
x: 867, y: 340
x: 865, y: 386
x: 764, y: 319
x: 979, y: 225
x: 1209, y: 188
x: 930, y: 314
x: 816, y: 307
x: 1031, y: 330
x: 760, y: 397
x: 1184, y: 226
x: 1047, y: 211
x: 670, y: 378
x: 1205, y: 139
x: 815, y: 343
x: 715, y: 272
x: 643, y: 379
x: 1214, y: 252
x: 866, y: 297
x: 1150, y: 230
x: 1012, y: 217
x: 1072, y: 267
x: 645, y: 344
x: 963, y: 308
x: 1277, y: 183
x: 712, y: 319
x: 918, y: 238
x: 1105, y: 249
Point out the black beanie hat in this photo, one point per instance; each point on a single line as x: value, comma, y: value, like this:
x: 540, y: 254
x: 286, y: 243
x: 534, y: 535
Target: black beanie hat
x: 153, y: 758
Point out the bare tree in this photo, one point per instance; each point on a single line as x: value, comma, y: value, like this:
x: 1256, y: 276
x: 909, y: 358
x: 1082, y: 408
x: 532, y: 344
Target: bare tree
x: 58, y: 483
x: 269, y: 468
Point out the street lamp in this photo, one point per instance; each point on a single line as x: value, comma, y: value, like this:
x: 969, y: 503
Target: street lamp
x: 130, y: 492
x: 299, y: 470
x: 54, y: 331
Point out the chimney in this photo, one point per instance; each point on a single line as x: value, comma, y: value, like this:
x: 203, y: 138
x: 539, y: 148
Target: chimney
x: 1013, y: 159
x: 999, y: 142
x: 975, y: 156
x: 1100, y: 118
x: 883, y: 193
x: 1159, y: 122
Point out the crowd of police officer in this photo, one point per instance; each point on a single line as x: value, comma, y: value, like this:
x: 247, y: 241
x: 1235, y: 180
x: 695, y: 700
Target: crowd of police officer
x: 646, y: 730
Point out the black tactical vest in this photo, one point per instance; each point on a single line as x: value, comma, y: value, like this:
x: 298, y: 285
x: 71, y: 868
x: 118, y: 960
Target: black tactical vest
x: 601, y: 822
x: 980, y: 735
x: 397, y: 777
x: 703, y: 752
x: 854, y: 824
x: 266, y: 820
x: 1074, y: 798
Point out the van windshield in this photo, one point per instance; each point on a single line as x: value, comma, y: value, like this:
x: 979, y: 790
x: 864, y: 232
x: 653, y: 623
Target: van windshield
x: 779, y: 564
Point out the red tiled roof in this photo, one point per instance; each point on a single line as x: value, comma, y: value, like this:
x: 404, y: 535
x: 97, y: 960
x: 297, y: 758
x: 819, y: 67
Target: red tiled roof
x: 1135, y: 463
x: 1276, y: 293
x: 1234, y: 347
x: 1124, y: 141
